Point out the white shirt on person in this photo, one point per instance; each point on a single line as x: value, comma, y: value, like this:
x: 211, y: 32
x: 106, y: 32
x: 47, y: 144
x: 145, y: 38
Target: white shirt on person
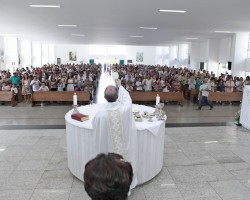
x: 205, y: 88
x: 35, y: 85
x: 148, y: 84
x: 14, y: 90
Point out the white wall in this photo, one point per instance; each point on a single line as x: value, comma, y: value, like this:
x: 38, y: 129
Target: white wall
x: 82, y: 52
x: 225, y: 50
x: 101, y: 53
x: 212, y: 52
x: 11, y: 53
x: 204, y: 52
x: 165, y: 56
x: 36, y: 58
x: 213, y: 55
x: 25, y: 53
x: 194, y: 55
x: 183, y: 55
x: 159, y: 56
x: 2, y: 63
x: 239, y: 57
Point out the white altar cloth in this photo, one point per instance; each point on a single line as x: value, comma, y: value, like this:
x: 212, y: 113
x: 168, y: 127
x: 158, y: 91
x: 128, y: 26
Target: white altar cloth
x: 81, y: 143
x: 245, y: 108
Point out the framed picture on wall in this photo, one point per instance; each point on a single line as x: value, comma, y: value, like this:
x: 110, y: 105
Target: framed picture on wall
x: 72, y: 56
x: 139, y: 57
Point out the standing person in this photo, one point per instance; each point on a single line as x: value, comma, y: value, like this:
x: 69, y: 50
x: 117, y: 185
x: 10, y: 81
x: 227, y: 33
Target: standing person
x: 191, y: 83
x: 148, y: 83
x: 15, y: 91
x: 60, y: 85
x: 229, y: 85
x: 43, y: 88
x: 35, y: 83
x: 247, y: 81
x: 198, y: 82
x: 70, y: 83
x: 205, y: 88
x: 114, y: 126
x: 138, y: 84
x: 26, y: 88
x: 15, y: 80
x: 239, y: 84
x: 220, y: 86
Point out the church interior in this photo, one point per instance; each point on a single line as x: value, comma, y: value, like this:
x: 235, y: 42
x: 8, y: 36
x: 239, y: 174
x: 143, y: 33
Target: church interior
x: 158, y: 48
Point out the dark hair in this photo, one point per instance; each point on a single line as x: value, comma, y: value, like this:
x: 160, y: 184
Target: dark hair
x: 111, y: 93
x: 108, y: 177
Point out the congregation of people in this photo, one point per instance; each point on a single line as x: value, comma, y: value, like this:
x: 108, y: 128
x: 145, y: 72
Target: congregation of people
x: 84, y: 77
x: 68, y: 77
x: 171, y: 79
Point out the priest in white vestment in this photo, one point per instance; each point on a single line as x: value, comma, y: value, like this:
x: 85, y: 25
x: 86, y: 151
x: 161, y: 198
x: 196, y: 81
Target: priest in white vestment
x: 114, y: 126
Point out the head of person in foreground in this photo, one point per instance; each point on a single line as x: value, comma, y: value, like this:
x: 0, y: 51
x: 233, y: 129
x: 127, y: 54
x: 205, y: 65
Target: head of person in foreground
x: 108, y: 177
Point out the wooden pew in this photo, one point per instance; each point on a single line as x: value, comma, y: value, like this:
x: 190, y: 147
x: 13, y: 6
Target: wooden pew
x: 194, y: 93
x: 59, y: 96
x: 225, y: 96
x: 8, y: 96
x: 140, y: 96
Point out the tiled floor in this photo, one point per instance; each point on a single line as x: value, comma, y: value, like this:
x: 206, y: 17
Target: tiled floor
x: 209, y: 163
x: 203, y: 163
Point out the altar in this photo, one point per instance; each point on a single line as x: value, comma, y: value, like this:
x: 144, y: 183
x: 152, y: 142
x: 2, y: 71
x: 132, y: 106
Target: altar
x: 81, y: 145
x: 245, y: 108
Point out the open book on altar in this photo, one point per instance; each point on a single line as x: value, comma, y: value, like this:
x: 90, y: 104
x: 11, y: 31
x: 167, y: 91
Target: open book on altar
x: 80, y: 117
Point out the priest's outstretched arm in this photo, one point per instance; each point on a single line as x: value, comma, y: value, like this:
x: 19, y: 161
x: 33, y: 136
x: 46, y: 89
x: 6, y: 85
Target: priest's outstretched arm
x: 123, y: 95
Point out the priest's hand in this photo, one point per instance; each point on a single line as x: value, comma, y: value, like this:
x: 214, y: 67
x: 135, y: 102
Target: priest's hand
x: 118, y: 82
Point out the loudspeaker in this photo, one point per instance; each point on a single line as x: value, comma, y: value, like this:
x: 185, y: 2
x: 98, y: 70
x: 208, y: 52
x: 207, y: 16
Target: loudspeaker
x: 229, y: 65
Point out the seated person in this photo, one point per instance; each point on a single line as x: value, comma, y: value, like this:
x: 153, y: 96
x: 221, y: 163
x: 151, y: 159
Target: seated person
x: 108, y: 177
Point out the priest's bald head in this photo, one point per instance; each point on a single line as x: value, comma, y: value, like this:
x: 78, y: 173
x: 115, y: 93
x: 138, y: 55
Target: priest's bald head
x: 111, y: 93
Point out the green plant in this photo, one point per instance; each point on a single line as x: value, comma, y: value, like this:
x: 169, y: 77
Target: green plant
x: 237, y: 117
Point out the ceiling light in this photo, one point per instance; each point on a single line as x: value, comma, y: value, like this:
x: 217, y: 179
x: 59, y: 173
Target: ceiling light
x: 173, y: 11
x: 192, y: 38
x: 45, y: 6
x: 222, y: 31
x: 69, y: 25
x: 150, y: 28
x: 136, y: 36
x: 78, y: 35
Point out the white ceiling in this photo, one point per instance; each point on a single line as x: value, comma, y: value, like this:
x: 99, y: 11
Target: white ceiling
x: 113, y: 21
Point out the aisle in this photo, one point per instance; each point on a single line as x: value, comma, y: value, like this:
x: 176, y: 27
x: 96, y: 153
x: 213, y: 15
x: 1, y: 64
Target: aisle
x: 105, y: 80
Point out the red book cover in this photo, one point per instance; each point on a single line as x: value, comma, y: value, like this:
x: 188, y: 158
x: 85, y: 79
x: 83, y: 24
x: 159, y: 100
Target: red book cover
x: 80, y: 117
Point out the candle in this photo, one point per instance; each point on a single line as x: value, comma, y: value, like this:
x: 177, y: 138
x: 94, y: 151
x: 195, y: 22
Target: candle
x: 157, y: 99
x: 75, y: 99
